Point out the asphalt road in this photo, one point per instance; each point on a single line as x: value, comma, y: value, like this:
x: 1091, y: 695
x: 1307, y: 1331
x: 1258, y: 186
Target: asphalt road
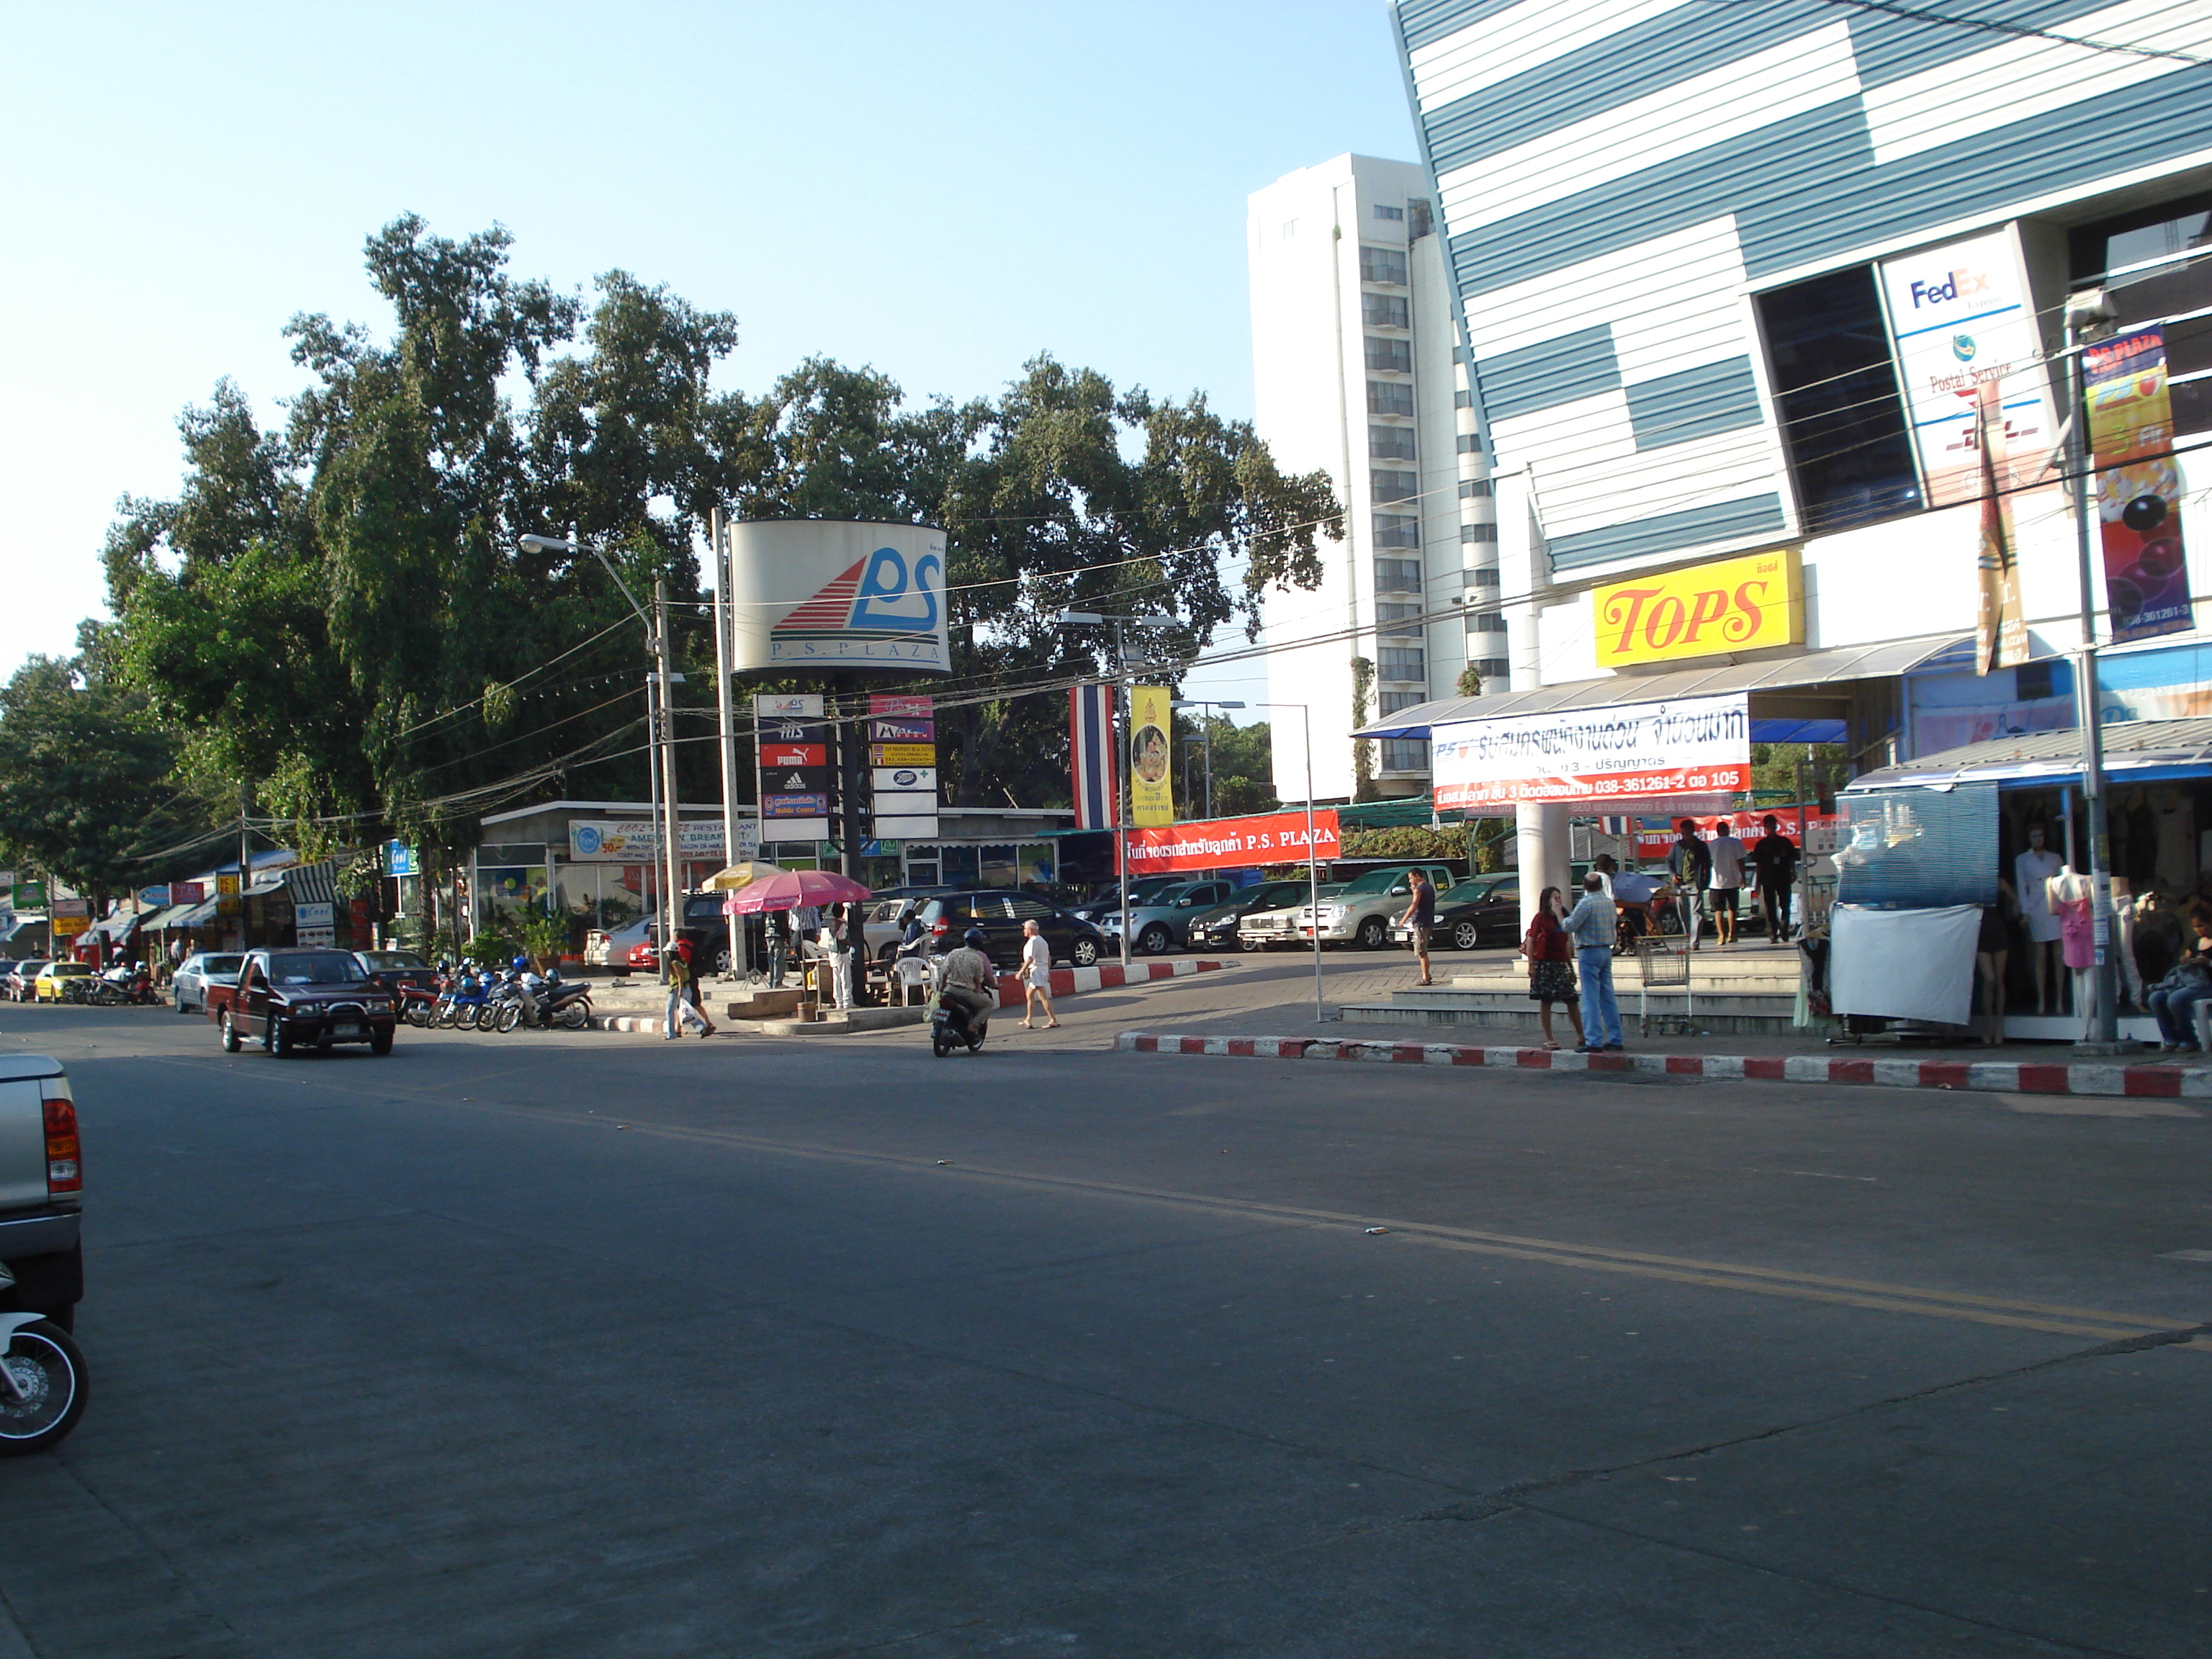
x: 598, y: 1346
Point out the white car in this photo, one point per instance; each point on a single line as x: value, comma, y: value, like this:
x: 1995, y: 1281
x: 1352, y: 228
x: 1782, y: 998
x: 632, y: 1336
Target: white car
x: 605, y: 950
x: 199, y: 970
x: 1263, y: 930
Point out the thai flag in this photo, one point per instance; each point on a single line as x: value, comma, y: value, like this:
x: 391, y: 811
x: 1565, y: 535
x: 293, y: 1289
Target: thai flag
x: 1090, y: 753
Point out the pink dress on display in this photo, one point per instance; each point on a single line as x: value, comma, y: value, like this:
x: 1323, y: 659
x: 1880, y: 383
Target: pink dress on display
x: 2077, y: 933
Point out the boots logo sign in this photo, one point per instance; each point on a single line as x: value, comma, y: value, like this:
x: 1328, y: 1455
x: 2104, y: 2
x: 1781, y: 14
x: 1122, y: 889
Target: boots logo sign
x: 1737, y: 604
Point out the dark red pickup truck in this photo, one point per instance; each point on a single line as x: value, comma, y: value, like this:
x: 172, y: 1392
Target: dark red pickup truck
x: 302, y: 998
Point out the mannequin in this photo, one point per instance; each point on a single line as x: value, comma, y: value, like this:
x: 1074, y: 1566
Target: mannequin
x: 2124, y: 941
x: 2032, y: 872
x: 2070, y: 900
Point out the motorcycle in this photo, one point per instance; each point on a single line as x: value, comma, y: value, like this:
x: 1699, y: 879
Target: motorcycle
x: 465, y: 1005
x: 418, y: 1004
x: 951, y: 1024
x: 551, y: 1001
x: 42, y: 1383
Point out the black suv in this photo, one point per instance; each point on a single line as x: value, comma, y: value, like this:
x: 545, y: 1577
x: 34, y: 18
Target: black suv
x: 1000, y: 912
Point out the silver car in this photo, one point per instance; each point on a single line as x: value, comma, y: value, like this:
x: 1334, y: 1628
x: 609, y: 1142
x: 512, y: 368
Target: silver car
x: 1162, y: 922
x: 201, y: 969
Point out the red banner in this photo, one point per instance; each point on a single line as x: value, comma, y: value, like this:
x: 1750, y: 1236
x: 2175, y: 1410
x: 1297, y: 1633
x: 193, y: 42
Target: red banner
x: 1224, y: 843
x: 1654, y: 836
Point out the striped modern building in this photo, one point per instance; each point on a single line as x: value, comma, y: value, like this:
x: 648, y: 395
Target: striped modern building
x: 1730, y: 279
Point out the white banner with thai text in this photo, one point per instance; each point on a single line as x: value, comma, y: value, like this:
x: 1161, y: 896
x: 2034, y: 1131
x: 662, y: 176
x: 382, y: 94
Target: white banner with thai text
x: 1633, y: 751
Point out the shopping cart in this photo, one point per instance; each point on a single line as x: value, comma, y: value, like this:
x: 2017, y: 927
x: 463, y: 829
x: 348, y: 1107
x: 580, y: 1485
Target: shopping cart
x: 1662, y: 964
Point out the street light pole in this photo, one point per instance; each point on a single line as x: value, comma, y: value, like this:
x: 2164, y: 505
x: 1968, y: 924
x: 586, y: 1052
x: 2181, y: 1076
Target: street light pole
x: 1313, y: 861
x: 724, y: 620
x: 1206, y: 731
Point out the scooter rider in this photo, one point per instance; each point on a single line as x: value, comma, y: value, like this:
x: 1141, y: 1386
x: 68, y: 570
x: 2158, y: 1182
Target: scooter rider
x: 969, y: 982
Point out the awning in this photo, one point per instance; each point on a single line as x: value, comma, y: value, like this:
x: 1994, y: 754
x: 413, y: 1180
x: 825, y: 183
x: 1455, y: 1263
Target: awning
x: 194, y: 916
x: 115, y: 926
x: 1859, y: 662
x: 2143, y: 751
x: 164, y: 918
x: 310, y: 884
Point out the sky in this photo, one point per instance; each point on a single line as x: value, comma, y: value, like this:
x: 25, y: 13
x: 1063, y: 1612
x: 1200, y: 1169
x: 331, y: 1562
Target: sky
x: 941, y: 192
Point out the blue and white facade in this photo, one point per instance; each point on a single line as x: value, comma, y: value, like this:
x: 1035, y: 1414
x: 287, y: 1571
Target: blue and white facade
x: 1684, y: 239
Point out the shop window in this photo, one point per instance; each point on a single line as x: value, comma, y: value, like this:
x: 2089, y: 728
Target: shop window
x: 999, y: 867
x: 2134, y: 260
x: 1835, y: 388
x: 960, y: 867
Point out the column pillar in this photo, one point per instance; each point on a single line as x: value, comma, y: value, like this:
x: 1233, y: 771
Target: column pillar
x: 1546, y: 851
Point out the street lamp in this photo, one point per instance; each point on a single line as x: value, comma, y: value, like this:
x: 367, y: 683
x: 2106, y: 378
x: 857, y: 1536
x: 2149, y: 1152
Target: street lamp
x: 1205, y: 730
x: 1093, y: 618
x: 1313, y: 866
x: 660, y: 721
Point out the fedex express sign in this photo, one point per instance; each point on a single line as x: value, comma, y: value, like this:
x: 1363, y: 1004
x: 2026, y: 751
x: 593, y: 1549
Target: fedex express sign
x: 1737, y: 604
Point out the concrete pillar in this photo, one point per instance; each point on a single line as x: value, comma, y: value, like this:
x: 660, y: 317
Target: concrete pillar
x: 1545, y: 850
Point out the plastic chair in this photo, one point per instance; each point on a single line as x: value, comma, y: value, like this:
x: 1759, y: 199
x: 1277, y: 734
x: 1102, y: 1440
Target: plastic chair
x: 913, y: 975
x: 1662, y: 964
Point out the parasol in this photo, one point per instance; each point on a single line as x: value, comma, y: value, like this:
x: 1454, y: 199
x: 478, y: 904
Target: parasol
x: 743, y: 873
x: 787, y: 890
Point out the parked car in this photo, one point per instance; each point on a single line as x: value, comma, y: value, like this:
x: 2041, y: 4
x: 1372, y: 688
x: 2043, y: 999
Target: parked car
x: 1481, y: 911
x: 41, y: 1251
x: 1264, y: 929
x: 199, y: 970
x: 52, y: 983
x: 1216, y: 927
x: 1108, y: 900
x: 611, y: 948
x: 20, y: 976
x: 390, y: 969
x: 1162, y: 922
x: 882, y: 921
x: 303, y: 998
x: 1363, y: 912
x: 708, y: 930
x: 1000, y: 913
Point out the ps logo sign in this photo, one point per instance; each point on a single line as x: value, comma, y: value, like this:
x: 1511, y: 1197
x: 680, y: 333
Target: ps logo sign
x: 825, y: 593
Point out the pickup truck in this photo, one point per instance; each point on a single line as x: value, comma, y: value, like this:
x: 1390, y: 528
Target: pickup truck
x: 302, y: 998
x: 41, y: 1187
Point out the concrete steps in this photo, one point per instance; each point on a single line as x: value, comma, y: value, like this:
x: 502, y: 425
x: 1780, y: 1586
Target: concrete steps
x: 1750, y: 992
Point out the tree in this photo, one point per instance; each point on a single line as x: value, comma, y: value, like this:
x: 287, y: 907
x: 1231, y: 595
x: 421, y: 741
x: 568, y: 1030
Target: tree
x: 83, y: 771
x: 1469, y: 684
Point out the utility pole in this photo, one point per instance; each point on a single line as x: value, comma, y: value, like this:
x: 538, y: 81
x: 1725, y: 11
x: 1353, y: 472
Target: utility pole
x: 245, y: 866
x: 672, y: 881
x: 2101, y: 1035
x: 725, y: 621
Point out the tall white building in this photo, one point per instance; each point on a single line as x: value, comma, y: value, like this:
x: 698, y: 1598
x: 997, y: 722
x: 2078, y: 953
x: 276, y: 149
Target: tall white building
x: 1355, y: 374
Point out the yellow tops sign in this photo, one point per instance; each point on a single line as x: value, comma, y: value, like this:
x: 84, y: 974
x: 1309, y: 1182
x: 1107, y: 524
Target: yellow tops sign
x: 1737, y: 605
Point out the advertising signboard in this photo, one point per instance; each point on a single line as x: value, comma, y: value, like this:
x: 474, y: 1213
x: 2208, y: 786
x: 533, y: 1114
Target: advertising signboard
x: 72, y: 907
x: 903, y: 766
x: 1654, y: 836
x: 901, y: 754
x: 1152, y: 790
x: 1224, y: 843
x: 315, y: 924
x: 791, y: 739
x: 893, y: 778
x: 2131, y: 427
x: 153, y: 898
x: 902, y: 731
x: 68, y: 926
x: 187, y: 892
x: 817, y: 593
x: 608, y: 840
x: 899, y: 704
x: 1692, y: 746
x: 2000, y: 625
x: 27, y: 895
x: 401, y: 860
x: 1960, y: 317
x: 1734, y: 604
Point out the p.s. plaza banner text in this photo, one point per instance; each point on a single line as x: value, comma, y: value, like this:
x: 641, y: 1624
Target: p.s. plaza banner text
x: 1697, y: 745
x: 1226, y: 843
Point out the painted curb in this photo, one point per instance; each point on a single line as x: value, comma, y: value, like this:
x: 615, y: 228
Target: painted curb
x: 2006, y: 1077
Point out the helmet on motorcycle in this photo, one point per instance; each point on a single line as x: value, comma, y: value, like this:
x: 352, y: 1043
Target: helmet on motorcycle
x: 973, y: 938
x: 520, y: 964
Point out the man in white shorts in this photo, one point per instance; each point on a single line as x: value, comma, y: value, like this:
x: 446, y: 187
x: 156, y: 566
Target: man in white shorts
x: 1036, y: 976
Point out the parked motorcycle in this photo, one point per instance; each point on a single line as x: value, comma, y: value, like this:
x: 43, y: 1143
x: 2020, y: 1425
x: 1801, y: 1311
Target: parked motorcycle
x: 42, y: 1383
x: 465, y: 1005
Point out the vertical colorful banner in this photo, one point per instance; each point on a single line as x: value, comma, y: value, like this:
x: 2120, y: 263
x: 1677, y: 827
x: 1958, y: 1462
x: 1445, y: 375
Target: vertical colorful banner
x: 2000, y: 626
x: 1091, y: 756
x: 791, y: 745
x: 2129, y: 416
x: 1152, y: 791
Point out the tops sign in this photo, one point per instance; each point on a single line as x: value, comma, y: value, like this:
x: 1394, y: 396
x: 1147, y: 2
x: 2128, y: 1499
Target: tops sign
x: 826, y: 594
x: 1737, y: 604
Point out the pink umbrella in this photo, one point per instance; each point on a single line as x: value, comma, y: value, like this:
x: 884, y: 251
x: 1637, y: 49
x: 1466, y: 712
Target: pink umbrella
x: 787, y: 890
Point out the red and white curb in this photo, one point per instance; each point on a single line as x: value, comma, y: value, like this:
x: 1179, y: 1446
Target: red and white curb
x: 1065, y: 982
x: 1068, y: 982
x: 2004, y: 1076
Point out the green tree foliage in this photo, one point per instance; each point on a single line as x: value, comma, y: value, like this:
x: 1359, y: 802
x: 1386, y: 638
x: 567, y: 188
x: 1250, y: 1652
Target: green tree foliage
x: 1469, y: 684
x: 83, y: 776
x: 1775, y: 768
x: 1407, y: 841
x: 1243, y: 767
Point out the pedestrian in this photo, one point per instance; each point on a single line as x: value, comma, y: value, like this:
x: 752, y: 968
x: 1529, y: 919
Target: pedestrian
x: 2173, y: 1001
x: 1036, y: 976
x: 1419, y: 922
x: 836, y: 954
x: 1551, y: 963
x: 1992, y: 951
x: 1774, y: 862
x: 776, y: 928
x: 1692, y: 867
x: 1591, y: 925
x: 1725, y: 885
x: 682, y: 991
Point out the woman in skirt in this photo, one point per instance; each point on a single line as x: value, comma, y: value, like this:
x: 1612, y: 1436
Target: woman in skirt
x: 1550, y: 955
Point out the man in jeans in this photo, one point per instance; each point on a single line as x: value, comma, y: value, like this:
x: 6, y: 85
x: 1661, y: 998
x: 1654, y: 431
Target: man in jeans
x: 1590, y: 924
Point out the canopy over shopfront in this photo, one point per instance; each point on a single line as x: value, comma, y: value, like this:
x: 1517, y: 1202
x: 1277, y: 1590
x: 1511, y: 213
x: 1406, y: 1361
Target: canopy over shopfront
x: 1800, y: 699
x: 2136, y: 751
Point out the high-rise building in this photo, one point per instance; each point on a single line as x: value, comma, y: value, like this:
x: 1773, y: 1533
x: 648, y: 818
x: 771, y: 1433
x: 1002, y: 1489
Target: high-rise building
x: 1355, y: 375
